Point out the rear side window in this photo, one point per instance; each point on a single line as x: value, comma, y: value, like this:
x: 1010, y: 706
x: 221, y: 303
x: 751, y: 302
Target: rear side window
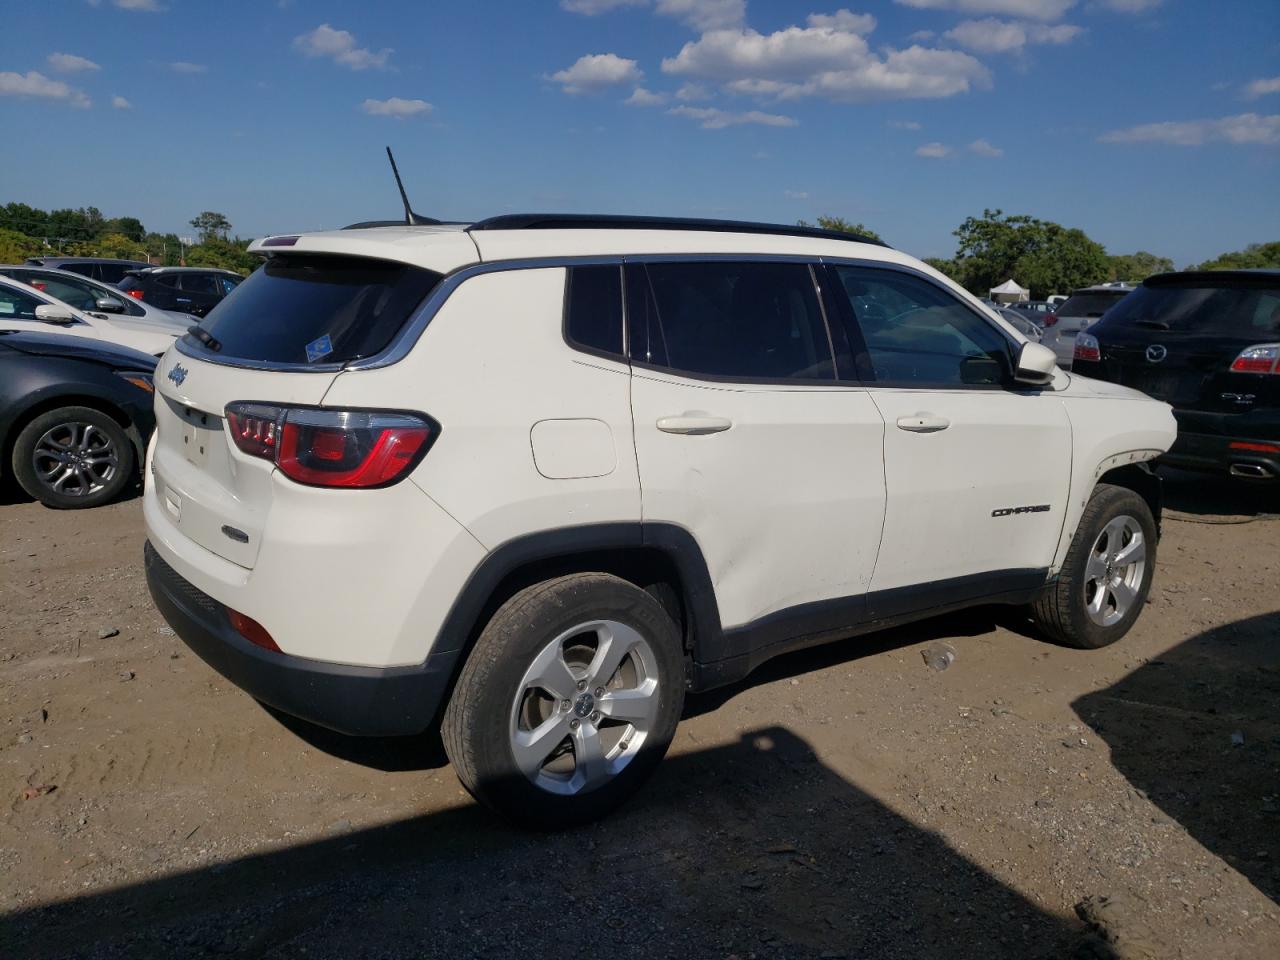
x: 111, y: 272
x: 166, y: 280
x: 317, y: 309
x: 1245, y: 311
x: 84, y: 269
x: 1089, y: 304
x: 733, y: 321
x: 593, y: 308
x: 198, y: 283
x: 917, y: 334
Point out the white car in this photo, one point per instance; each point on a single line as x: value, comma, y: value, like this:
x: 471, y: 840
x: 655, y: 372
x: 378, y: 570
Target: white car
x: 542, y: 476
x: 93, y: 296
x: 23, y: 307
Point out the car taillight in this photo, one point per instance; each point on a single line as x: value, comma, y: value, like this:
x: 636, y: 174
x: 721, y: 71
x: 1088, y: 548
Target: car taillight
x: 1087, y: 348
x: 39, y: 285
x: 354, y: 449
x: 1260, y: 358
x: 1050, y: 319
x: 136, y: 294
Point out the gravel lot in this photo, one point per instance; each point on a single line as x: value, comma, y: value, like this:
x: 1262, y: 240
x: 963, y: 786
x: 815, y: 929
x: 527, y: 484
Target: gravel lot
x: 1029, y: 801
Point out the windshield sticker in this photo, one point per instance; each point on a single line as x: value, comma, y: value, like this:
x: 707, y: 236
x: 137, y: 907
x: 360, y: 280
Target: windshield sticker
x: 319, y: 349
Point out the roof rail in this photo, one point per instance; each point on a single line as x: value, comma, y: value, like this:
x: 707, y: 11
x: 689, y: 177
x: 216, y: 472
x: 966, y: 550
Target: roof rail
x: 587, y: 221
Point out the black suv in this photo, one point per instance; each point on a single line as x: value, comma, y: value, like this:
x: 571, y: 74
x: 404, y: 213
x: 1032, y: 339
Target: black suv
x: 194, y: 290
x: 1209, y: 344
x: 103, y: 269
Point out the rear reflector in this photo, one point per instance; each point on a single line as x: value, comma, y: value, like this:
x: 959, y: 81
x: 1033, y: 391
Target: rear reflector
x: 1087, y: 348
x: 354, y: 449
x: 1260, y: 358
x: 1254, y: 447
x: 252, y: 631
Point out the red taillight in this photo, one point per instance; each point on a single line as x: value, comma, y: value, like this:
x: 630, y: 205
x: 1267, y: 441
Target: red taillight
x: 252, y: 631
x: 1260, y: 358
x: 39, y: 285
x: 1050, y: 319
x: 136, y: 294
x: 332, y: 448
x: 1254, y: 447
x: 1087, y: 348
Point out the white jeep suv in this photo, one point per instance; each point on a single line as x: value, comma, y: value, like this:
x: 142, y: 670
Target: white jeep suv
x: 534, y: 478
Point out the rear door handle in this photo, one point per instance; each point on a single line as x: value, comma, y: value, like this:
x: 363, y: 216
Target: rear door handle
x: 693, y: 424
x: 923, y: 423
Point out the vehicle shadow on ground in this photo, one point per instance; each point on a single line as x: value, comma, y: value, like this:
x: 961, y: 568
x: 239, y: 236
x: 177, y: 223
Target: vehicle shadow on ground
x: 754, y: 848
x: 1213, y: 496
x: 1198, y: 731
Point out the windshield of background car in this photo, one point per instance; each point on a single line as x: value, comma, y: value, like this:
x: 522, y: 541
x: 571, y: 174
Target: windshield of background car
x: 1251, y: 311
x: 314, y: 309
x: 1092, y: 304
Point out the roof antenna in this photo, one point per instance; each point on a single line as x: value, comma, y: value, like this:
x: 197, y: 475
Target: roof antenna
x: 410, y: 218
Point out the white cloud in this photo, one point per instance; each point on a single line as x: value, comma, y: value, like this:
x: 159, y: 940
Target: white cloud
x: 922, y: 36
x: 1127, y: 6
x: 640, y: 97
x: 984, y: 149
x: 825, y: 62
x: 1031, y: 9
x: 796, y: 194
x: 905, y: 125
x: 596, y: 72
x: 705, y: 15
x: 120, y: 103
x: 182, y: 66
x: 70, y: 63
x: 591, y: 8
x: 396, y: 107
x: 1246, y: 128
x: 844, y: 21
x: 693, y: 91
x: 933, y: 150
x: 1001, y: 36
x: 34, y: 84
x: 1261, y: 87
x: 143, y: 6
x: 712, y: 118
x: 340, y: 46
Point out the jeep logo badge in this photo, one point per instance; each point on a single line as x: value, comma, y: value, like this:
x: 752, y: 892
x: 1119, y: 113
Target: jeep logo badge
x: 1156, y: 352
x: 177, y: 373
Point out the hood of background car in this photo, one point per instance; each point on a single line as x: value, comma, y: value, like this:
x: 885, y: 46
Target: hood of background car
x: 78, y: 348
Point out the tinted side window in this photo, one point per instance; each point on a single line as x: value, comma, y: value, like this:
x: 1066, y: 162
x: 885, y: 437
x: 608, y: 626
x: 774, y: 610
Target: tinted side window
x: 199, y: 283
x: 110, y: 272
x: 918, y: 334
x: 593, y: 308
x: 16, y: 306
x: 79, y: 295
x: 735, y: 320
x: 166, y: 280
x: 84, y: 269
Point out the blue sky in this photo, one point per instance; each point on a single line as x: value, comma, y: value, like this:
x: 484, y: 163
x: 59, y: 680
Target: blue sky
x: 1151, y: 124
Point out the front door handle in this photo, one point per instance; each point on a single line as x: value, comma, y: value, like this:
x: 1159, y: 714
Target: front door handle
x: 923, y: 423
x: 693, y: 424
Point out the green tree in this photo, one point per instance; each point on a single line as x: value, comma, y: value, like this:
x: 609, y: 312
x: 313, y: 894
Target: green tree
x: 22, y: 218
x: 119, y: 246
x: 1137, y: 266
x: 211, y: 226
x: 225, y: 254
x: 1253, y: 257
x: 841, y: 225
x: 130, y: 227
x: 15, y: 247
x: 948, y: 267
x: 1044, y: 256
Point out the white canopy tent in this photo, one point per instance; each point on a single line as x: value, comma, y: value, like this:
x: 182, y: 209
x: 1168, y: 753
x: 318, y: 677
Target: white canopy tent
x: 1009, y: 292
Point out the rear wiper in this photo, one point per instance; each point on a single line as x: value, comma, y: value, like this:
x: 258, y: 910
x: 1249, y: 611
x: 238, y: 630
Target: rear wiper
x: 205, y: 337
x: 1155, y: 324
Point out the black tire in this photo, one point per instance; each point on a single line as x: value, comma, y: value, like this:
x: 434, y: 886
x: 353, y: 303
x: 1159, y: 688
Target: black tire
x: 1060, y: 611
x: 83, y: 490
x: 477, y: 722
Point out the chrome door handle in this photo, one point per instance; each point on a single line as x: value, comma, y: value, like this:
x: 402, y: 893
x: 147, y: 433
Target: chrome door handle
x: 693, y: 424
x: 923, y: 423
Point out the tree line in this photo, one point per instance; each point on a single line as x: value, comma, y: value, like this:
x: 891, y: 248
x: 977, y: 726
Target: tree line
x: 1047, y: 257
x: 27, y: 231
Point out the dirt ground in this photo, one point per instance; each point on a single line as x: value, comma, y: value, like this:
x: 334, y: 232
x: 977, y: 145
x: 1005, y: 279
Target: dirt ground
x: 1029, y: 801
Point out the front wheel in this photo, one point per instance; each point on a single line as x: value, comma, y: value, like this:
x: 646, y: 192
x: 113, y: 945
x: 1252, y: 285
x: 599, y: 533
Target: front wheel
x: 73, y: 457
x: 568, y: 701
x: 1107, y: 573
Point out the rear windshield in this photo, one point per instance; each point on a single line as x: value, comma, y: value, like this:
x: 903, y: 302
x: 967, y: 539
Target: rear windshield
x: 312, y: 310
x: 1247, y: 311
x: 1093, y: 304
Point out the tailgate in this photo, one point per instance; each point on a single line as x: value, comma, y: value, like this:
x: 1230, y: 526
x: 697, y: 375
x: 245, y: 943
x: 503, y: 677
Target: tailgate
x: 210, y: 492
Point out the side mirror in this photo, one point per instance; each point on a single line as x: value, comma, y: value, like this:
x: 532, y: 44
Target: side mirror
x: 108, y: 305
x: 1036, y: 364
x: 54, y: 313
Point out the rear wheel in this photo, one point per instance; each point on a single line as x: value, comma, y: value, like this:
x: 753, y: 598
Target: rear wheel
x: 1107, y: 573
x: 73, y: 457
x: 568, y: 701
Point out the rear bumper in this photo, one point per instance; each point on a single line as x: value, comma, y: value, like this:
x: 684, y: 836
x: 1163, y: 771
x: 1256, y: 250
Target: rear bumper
x: 362, y: 701
x: 1212, y: 452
